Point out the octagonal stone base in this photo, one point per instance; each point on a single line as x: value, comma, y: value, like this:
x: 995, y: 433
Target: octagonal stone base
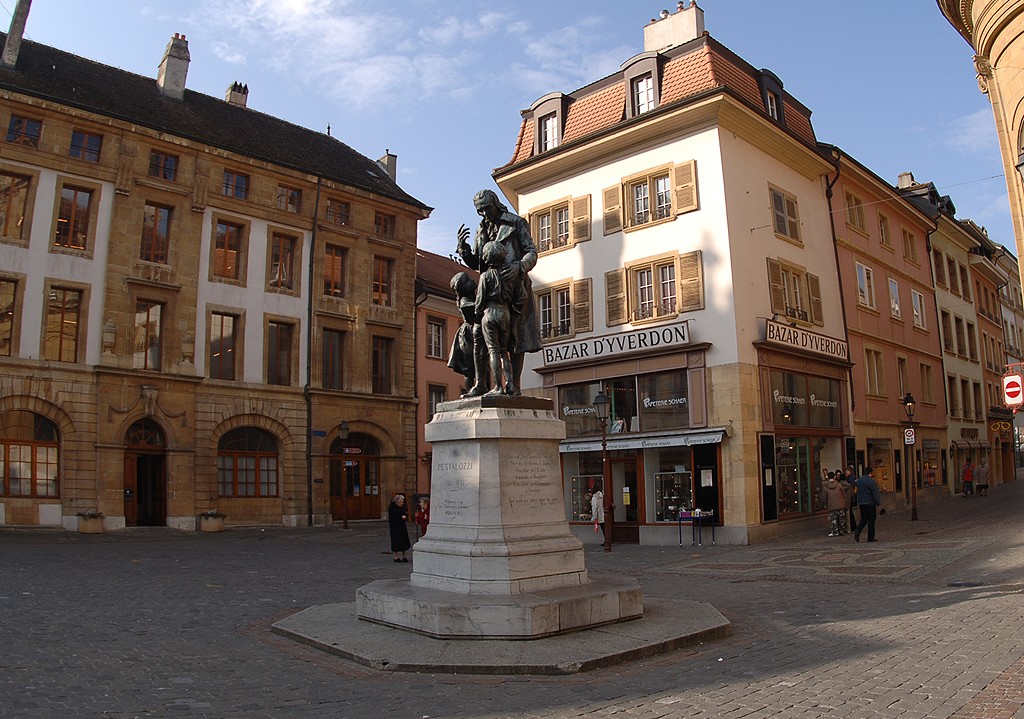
x: 531, y: 615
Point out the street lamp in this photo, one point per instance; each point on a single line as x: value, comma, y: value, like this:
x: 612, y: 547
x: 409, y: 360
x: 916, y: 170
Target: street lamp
x: 909, y: 405
x: 603, y: 406
x: 343, y: 436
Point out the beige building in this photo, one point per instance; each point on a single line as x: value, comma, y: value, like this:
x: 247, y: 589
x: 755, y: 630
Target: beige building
x: 196, y: 299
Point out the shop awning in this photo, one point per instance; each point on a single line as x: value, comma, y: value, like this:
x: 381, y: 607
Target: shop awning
x: 969, y: 444
x: 619, y: 442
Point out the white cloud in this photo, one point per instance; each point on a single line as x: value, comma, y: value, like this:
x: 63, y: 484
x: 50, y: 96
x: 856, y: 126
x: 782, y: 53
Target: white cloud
x: 973, y: 133
x: 228, y: 54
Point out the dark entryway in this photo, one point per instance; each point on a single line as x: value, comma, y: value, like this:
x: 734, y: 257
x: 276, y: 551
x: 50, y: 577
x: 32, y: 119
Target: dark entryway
x: 145, y: 477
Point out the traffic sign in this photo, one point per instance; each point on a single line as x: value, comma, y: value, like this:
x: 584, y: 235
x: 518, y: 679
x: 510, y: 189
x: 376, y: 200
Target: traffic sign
x: 908, y: 435
x: 352, y: 450
x: 1013, y: 390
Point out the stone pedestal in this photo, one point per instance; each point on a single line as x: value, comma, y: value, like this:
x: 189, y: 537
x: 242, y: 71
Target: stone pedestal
x: 498, y: 559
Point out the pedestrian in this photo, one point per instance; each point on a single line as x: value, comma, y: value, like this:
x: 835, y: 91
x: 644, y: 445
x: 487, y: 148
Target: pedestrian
x: 422, y: 516
x: 967, y: 476
x: 981, y: 474
x: 851, y: 491
x: 868, y: 500
x: 597, y: 509
x: 398, y: 515
x: 836, y: 503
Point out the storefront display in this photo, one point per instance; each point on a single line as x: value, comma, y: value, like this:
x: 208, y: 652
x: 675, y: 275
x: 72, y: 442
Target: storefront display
x: 880, y: 460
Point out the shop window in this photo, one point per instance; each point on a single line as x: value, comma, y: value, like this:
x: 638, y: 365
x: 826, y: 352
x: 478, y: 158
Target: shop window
x: 673, y: 485
x: 247, y: 463
x: 879, y: 458
x: 797, y: 462
x: 29, y: 455
x: 663, y: 401
x: 582, y: 485
x: 800, y: 400
x: 576, y: 409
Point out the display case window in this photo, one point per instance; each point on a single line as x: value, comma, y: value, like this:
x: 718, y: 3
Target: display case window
x: 798, y: 473
x: 664, y: 401
x: 880, y: 461
x: 576, y: 409
x: 583, y: 488
x: 930, y: 463
x: 673, y: 493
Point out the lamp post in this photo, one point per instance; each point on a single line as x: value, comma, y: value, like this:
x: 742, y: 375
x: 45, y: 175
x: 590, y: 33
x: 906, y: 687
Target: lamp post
x: 603, y: 406
x: 343, y: 436
x: 909, y: 405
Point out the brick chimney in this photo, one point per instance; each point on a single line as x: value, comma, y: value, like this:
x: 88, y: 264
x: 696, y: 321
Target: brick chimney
x: 671, y: 29
x: 237, y: 94
x: 174, y: 68
x: 13, y: 43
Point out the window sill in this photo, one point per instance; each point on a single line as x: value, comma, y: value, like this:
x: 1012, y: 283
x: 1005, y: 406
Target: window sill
x: 790, y: 240
x: 651, y: 223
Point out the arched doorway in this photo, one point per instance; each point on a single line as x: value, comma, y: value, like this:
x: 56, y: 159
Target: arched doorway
x: 355, y: 478
x: 145, y: 478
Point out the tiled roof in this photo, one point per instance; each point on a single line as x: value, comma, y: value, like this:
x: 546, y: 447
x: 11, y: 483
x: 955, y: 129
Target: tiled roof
x: 51, y: 74
x: 690, y: 70
x: 434, y: 273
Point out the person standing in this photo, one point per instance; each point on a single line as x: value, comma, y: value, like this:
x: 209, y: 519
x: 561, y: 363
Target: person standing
x: 597, y: 509
x: 981, y: 475
x: 835, y: 502
x: 851, y: 491
x: 398, y: 515
x: 868, y: 499
x: 967, y: 476
x: 422, y: 516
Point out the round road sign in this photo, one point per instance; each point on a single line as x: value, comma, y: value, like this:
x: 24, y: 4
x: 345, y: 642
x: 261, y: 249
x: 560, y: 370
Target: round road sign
x: 1013, y: 390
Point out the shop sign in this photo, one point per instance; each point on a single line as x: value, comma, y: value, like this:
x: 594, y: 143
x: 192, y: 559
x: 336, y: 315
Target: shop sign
x: 777, y: 333
x: 682, y: 440
x: 617, y: 345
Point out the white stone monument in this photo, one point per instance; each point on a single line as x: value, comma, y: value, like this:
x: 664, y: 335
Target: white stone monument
x: 498, y: 559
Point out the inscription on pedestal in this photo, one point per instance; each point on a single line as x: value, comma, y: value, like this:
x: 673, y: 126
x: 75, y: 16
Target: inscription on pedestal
x: 451, y: 479
x: 531, y: 484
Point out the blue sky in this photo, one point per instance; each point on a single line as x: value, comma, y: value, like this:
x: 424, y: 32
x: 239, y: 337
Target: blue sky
x: 441, y: 83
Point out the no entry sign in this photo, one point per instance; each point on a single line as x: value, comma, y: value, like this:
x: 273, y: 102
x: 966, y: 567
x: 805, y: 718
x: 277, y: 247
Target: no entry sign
x: 1013, y: 390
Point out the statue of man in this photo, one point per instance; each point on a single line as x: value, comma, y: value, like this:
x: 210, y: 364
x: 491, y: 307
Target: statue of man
x: 501, y: 225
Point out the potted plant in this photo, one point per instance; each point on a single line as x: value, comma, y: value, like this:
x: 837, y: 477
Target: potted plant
x: 212, y: 521
x: 90, y: 522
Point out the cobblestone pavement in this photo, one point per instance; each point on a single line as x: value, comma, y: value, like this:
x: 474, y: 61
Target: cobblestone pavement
x: 927, y: 622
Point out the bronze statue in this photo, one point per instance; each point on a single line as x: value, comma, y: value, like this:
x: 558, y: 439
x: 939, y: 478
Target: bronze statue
x: 508, y: 286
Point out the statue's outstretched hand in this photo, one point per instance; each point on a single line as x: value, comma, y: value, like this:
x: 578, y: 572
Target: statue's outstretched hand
x: 463, y: 235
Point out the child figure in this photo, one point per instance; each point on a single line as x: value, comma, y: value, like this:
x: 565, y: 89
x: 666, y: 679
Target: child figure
x: 468, y: 342
x: 494, y: 302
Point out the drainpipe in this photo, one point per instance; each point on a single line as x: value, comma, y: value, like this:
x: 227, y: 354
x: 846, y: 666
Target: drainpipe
x: 839, y: 275
x: 309, y: 361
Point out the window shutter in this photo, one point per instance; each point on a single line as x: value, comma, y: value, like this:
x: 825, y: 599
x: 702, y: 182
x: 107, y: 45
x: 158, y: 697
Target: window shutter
x: 794, y: 230
x: 612, y: 201
x: 779, y: 210
x: 775, y: 287
x: 580, y: 212
x: 581, y: 315
x: 615, y: 291
x: 814, y: 293
x: 691, y: 282
x: 684, y: 180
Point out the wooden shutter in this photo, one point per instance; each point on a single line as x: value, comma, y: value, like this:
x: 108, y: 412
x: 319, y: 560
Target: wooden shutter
x: 581, y: 314
x: 814, y: 294
x: 580, y: 215
x: 684, y: 183
x: 691, y: 282
x: 615, y: 293
x: 794, y: 230
x: 776, y: 289
x: 612, y: 200
x: 779, y: 210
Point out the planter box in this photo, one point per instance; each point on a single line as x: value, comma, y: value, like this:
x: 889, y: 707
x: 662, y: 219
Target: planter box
x: 211, y: 524
x: 90, y: 525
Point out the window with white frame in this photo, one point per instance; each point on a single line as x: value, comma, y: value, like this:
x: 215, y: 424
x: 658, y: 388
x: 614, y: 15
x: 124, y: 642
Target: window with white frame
x: 918, y: 301
x: 549, y: 132
x: 884, y: 236
x: 554, y: 305
x: 643, y: 94
x: 855, y: 212
x: 903, y: 375
x: 927, y: 391
x: 894, y: 298
x: 655, y: 288
x: 909, y: 246
x: 865, y: 286
x: 875, y: 372
x: 650, y: 197
x: 794, y: 292
x: 435, y: 337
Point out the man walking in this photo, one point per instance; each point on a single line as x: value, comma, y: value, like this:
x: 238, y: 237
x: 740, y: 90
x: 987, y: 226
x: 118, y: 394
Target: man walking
x: 868, y: 499
x: 851, y: 479
x: 967, y: 476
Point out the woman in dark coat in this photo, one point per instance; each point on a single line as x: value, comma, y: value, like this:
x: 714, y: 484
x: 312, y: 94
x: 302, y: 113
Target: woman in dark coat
x: 398, y: 515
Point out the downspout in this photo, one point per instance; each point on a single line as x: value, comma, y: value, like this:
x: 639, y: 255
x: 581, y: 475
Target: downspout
x: 309, y: 361
x: 938, y: 323
x: 839, y: 275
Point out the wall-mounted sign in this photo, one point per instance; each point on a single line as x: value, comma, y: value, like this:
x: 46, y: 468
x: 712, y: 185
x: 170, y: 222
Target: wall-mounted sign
x: 779, y: 333
x: 614, y: 346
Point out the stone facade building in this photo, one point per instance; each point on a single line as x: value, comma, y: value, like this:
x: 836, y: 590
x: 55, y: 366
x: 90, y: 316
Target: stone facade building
x: 194, y: 297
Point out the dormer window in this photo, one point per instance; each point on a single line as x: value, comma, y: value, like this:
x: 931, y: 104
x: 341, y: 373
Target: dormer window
x: 548, y: 132
x: 771, y: 95
x: 643, y: 94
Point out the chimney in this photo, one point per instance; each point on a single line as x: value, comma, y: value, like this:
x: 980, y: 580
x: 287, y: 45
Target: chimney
x: 237, y: 94
x: 905, y: 180
x: 13, y: 43
x: 671, y: 29
x: 389, y: 163
x: 174, y: 68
